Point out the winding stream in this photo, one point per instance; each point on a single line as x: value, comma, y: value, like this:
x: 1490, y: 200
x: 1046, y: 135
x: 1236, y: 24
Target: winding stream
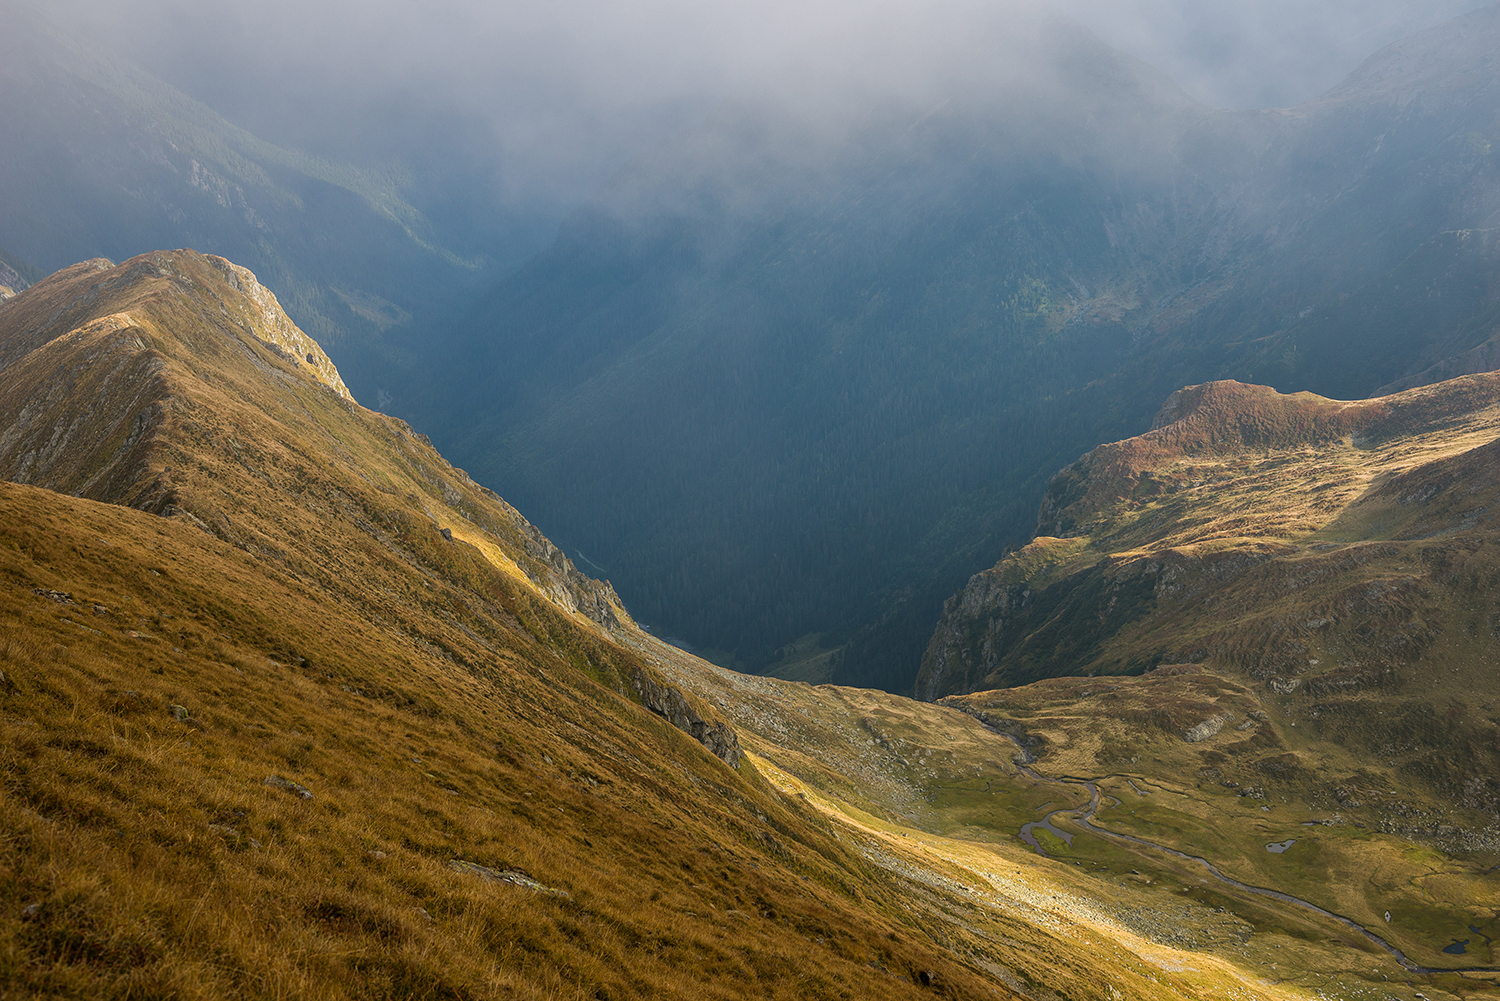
x: 1083, y: 816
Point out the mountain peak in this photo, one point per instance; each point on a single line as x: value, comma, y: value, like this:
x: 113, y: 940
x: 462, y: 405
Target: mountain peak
x: 225, y: 297
x: 1455, y: 53
x: 274, y: 327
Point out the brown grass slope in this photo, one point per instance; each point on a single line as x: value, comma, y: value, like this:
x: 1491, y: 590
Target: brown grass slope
x: 1339, y: 559
x: 1273, y: 619
x: 298, y: 622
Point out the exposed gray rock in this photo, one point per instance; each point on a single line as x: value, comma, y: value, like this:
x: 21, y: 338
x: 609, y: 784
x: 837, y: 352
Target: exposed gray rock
x: 181, y: 715
x: 1208, y: 728
x: 594, y: 598
x: 277, y: 782
x: 274, y: 328
x: 514, y: 877
x: 669, y: 703
x: 11, y: 279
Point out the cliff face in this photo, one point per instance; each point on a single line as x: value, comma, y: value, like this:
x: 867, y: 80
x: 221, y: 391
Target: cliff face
x: 1290, y: 539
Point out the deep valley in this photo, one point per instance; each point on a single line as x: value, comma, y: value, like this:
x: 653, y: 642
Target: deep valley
x: 966, y: 519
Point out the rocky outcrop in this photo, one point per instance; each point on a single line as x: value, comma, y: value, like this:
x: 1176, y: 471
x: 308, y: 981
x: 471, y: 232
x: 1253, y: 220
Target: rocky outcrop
x: 670, y: 704
x: 274, y: 329
x: 1208, y: 728
x: 10, y: 281
x: 594, y: 598
x: 512, y: 877
x: 1008, y: 627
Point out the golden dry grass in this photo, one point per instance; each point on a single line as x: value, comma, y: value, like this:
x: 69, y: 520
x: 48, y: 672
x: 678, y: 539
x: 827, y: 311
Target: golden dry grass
x: 144, y: 856
x: 300, y: 616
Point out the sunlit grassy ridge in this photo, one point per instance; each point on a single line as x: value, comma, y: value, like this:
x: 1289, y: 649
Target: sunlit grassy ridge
x: 489, y: 810
x: 299, y: 617
x: 1208, y: 539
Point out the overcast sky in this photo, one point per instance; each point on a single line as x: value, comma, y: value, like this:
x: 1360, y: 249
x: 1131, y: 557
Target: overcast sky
x: 558, y: 94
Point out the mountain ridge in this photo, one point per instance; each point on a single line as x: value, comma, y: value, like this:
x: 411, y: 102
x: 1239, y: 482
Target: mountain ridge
x: 321, y: 708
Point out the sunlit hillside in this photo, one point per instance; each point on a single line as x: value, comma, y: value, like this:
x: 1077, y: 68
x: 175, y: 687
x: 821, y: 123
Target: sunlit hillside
x: 292, y: 707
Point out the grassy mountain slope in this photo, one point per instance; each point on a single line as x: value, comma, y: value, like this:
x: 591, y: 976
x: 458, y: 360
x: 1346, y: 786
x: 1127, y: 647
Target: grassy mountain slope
x: 298, y: 615
x: 939, y: 778
x: 269, y: 731
x: 1270, y: 612
x: 782, y: 392
x: 1301, y: 501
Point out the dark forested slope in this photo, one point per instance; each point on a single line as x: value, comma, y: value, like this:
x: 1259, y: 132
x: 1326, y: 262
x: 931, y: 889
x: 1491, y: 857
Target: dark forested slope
x: 781, y: 383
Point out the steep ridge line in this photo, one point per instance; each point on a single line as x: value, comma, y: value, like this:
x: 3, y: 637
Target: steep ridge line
x: 255, y: 718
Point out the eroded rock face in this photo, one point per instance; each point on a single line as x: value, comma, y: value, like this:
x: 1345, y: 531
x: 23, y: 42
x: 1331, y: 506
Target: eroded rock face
x: 10, y: 282
x: 594, y: 598
x: 276, y: 330
x: 670, y: 704
x: 1208, y: 728
x: 1006, y: 628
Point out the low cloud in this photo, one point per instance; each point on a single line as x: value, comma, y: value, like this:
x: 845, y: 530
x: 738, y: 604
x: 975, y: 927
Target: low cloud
x: 546, y: 101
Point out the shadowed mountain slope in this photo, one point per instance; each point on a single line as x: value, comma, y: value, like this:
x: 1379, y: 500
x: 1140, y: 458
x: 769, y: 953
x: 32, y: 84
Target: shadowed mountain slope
x: 783, y: 386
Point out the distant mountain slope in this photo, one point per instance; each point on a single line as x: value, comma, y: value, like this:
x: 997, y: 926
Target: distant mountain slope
x: 104, y: 160
x: 783, y: 385
x: 1201, y: 542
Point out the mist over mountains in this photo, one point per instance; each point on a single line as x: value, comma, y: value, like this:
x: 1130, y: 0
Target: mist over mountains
x: 825, y: 307
x: 1103, y: 397
x: 815, y: 406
